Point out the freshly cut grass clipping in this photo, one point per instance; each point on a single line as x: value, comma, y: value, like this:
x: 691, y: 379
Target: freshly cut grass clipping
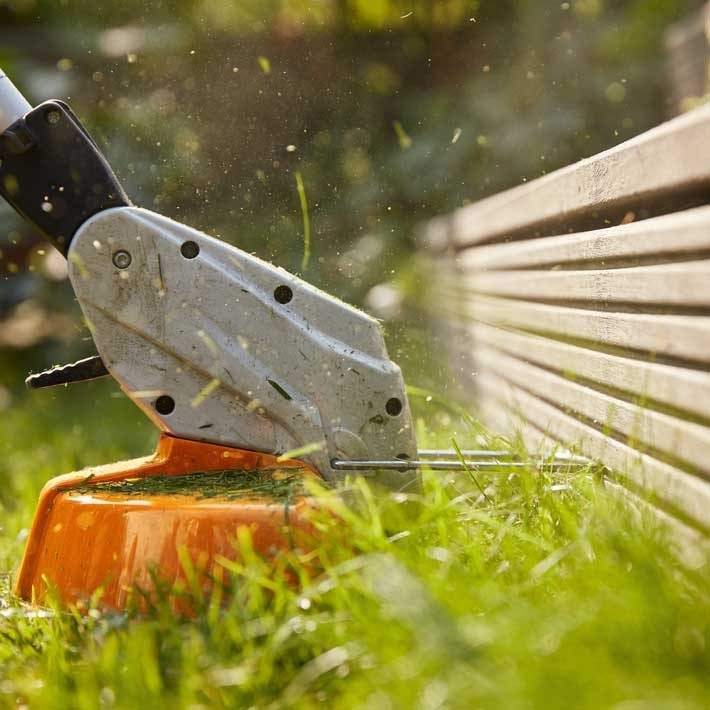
x: 205, y: 392
x: 302, y: 451
x: 301, y: 189
x: 405, y: 142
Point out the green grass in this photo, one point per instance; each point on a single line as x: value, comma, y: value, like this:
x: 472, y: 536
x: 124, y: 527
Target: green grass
x: 280, y: 485
x: 547, y: 593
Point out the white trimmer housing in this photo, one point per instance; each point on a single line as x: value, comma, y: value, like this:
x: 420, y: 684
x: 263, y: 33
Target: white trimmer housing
x: 13, y: 104
x: 216, y: 345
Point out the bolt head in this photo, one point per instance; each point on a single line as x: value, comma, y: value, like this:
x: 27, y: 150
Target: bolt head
x: 122, y: 259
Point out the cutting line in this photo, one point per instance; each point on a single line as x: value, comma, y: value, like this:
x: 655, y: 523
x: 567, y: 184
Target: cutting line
x: 455, y: 465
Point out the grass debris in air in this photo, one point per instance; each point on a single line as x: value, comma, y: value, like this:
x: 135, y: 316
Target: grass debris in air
x: 303, y: 201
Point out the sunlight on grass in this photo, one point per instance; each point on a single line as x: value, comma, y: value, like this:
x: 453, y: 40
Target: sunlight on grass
x: 540, y: 590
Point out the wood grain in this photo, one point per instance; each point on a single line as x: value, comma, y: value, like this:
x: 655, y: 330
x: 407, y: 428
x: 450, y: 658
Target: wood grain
x: 677, y: 387
x: 674, y: 235
x: 683, y: 337
x: 669, y: 285
x: 676, y: 437
x: 675, y: 156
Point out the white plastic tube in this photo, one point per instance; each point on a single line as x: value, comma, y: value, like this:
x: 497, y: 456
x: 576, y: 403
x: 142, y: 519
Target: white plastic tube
x: 13, y: 104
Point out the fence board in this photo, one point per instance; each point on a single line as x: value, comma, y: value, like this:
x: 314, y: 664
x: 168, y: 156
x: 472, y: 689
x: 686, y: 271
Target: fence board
x: 676, y: 437
x: 674, y: 157
x: 673, y: 336
x: 678, y: 235
x: 677, y: 387
x: 670, y: 285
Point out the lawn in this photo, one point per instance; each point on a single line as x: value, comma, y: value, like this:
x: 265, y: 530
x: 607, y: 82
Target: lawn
x: 545, y: 592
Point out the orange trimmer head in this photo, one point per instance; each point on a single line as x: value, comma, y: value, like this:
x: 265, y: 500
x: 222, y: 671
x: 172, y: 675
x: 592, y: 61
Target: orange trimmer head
x: 107, y: 533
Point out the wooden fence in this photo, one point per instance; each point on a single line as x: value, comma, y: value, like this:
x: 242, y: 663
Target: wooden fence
x: 579, y: 305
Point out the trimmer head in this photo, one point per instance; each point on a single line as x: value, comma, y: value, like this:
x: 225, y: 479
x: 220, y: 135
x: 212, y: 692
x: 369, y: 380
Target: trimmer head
x: 236, y: 361
x: 227, y: 354
x: 109, y: 532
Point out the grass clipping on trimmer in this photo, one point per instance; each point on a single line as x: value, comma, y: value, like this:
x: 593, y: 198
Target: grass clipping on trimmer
x: 279, y: 485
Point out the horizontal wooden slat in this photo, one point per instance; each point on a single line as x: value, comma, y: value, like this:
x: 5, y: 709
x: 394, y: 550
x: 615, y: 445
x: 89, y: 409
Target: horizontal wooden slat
x: 673, y: 157
x: 687, y: 441
x: 687, y: 494
x: 684, y: 337
x: 677, y: 387
x: 682, y: 284
x: 675, y: 234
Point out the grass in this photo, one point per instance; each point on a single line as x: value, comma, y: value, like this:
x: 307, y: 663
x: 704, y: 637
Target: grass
x: 280, y: 485
x: 545, y: 592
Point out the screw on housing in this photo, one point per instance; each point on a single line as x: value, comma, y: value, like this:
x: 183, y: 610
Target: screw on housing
x: 122, y: 259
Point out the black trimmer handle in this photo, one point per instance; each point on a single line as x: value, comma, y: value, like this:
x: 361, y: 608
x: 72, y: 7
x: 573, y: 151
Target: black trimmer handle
x: 51, y: 170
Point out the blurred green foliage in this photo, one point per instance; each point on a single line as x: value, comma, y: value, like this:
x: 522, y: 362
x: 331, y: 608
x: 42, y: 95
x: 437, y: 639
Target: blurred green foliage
x: 391, y: 110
